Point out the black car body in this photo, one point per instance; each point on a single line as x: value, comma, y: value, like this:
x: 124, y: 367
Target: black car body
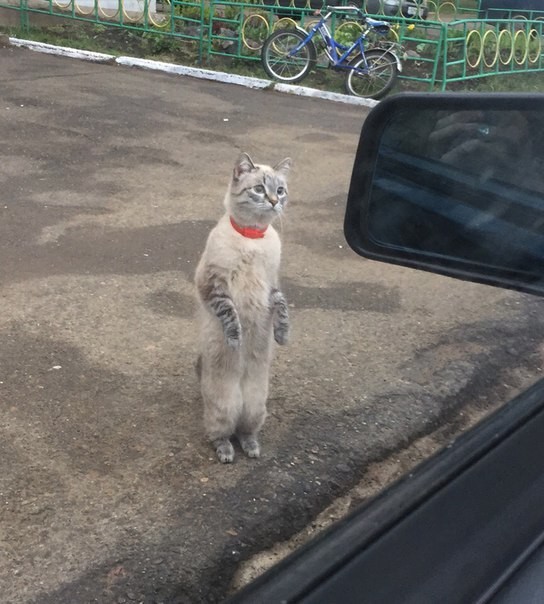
x: 504, y: 9
x: 410, y: 9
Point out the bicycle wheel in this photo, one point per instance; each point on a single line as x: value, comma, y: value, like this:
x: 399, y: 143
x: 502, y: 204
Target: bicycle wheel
x: 276, y: 58
x: 376, y: 81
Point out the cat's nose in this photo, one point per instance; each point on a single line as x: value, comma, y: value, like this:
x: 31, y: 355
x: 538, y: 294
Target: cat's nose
x: 273, y: 201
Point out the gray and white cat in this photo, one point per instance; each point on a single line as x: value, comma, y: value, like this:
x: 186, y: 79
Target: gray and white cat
x: 240, y: 306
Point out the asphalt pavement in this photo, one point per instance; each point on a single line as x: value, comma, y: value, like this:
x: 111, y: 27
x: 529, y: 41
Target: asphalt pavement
x: 111, y: 178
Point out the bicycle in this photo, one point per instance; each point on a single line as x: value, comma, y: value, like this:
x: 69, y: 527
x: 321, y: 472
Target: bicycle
x: 290, y: 55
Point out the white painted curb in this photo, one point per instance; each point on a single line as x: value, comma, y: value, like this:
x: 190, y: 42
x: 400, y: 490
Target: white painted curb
x: 323, y: 94
x: 64, y: 51
x: 194, y: 72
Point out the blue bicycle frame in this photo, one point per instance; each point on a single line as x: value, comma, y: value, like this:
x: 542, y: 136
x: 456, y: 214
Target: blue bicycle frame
x: 338, y: 59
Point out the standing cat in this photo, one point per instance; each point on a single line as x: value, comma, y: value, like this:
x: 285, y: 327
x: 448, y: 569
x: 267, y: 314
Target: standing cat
x: 241, y: 307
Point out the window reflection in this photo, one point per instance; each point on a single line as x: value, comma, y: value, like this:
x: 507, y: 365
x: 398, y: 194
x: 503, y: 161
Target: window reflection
x: 466, y: 184
x: 503, y: 145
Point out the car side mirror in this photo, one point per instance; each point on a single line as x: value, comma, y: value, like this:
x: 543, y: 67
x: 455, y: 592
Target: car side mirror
x: 453, y: 184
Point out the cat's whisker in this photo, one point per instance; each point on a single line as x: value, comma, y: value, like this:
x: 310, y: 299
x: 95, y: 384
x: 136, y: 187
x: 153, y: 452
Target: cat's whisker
x: 280, y: 218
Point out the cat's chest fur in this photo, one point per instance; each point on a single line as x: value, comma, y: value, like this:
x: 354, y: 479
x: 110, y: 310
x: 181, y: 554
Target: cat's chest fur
x: 250, y: 265
x: 252, y: 268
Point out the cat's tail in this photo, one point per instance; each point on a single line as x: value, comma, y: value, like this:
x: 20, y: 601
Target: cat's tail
x: 198, y: 367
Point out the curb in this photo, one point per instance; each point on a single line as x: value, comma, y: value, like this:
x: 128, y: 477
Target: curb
x: 194, y: 72
x: 63, y: 51
x: 325, y: 95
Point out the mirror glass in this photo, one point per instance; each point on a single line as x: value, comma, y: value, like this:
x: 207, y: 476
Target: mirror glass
x: 463, y: 183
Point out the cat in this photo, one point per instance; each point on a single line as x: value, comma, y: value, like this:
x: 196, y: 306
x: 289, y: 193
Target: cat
x: 240, y: 307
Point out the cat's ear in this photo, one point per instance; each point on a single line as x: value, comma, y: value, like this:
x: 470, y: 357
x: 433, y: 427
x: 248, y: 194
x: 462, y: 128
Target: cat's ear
x: 243, y: 165
x: 284, y: 166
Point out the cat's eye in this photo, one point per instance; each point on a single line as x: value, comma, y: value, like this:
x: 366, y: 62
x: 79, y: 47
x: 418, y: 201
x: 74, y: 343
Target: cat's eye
x: 258, y: 189
x: 280, y: 191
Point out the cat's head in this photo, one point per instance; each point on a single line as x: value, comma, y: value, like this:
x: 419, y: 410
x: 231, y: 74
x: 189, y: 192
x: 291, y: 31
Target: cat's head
x: 257, y: 193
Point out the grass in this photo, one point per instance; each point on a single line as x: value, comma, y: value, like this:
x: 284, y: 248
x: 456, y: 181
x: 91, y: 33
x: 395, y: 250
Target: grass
x: 113, y: 40
x: 61, y: 36
x: 516, y: 82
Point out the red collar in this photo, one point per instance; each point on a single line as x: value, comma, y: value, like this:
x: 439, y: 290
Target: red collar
x: 250, y: 232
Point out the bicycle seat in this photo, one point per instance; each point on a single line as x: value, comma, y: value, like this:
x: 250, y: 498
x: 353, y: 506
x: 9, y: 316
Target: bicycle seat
x: 376, y: 23
x: 339, y: 9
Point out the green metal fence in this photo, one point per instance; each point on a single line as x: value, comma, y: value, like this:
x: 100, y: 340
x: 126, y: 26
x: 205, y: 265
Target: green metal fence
x: 438, y: 51
x: 451, y: 45
x: 442, y: 53
x: 183, y: 20
x: 476, y: 49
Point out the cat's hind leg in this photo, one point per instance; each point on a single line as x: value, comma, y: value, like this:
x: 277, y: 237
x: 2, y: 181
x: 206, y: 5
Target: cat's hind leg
x: 254, y: 394
x: 249, y: 444
x: 224, y: 450
x: 222, y: 407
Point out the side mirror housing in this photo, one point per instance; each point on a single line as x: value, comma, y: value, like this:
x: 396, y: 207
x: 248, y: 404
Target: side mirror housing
x: 453, y: 184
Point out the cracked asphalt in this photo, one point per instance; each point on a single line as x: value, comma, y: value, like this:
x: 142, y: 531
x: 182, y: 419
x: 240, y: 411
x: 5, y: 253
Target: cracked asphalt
x: 111, y: 179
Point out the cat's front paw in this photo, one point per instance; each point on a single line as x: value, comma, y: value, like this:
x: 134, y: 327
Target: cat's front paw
x: 281, y: 333
x: 233, y: 335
